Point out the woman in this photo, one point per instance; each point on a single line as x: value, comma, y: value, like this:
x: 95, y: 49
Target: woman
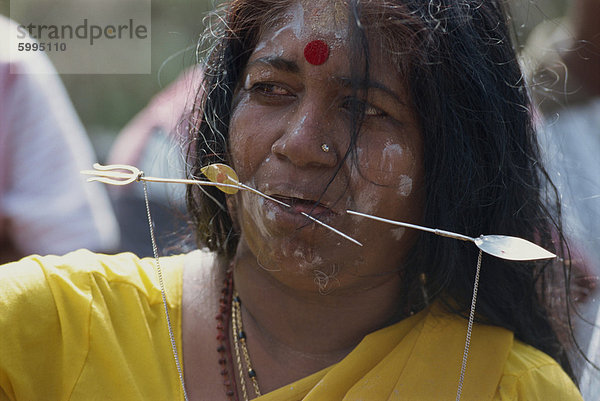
x: 409, y: 111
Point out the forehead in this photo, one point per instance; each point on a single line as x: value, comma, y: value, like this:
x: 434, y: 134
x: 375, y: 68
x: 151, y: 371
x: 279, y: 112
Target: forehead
x: 328, y: 20
x: 329, y: 16
x: 307, y: 20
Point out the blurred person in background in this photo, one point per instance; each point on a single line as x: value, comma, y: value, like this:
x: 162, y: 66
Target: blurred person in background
x: 46, y: 207
x: 564, y: 59
x: 154, y: 141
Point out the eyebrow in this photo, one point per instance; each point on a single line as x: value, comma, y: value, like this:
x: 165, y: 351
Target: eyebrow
x: 277, y: 62
x: 368, y: 84
x: 286, y: 65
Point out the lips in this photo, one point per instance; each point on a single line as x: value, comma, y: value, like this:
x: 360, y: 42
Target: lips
x: 299, y: 205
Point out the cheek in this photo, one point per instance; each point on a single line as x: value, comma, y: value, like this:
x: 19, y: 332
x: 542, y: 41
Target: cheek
x: 251, y: 208
x: 231, y: 202
x: 387, y: 181
x: 405, y: 187
x: 250, y: 139
x: 393, y: 166
x: 397, y: 233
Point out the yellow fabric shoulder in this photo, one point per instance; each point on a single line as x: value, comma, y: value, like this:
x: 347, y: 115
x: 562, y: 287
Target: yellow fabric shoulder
x: 420, y: 358
x: 87, y: 326
x: 530, y: 374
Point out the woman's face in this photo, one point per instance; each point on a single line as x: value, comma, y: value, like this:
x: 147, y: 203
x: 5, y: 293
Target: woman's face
x: 285, y: 109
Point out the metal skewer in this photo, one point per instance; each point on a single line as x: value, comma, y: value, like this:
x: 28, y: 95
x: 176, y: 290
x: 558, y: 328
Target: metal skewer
x: 108, y: 175
x: 308, y: 216
x: 219, y: 175
x: 501, y: 246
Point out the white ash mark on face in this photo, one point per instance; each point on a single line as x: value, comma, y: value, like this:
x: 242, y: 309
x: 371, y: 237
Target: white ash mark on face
x: 254, y: 206
x: 405, y: 187
x: 292, y: 20
x: 398, y: 233
x: 391, y: 153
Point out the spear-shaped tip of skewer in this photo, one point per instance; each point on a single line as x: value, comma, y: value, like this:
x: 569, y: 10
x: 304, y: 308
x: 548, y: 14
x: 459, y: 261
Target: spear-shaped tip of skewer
x: 113, y: 174
x: 501, y: 246
x: 512, y: 248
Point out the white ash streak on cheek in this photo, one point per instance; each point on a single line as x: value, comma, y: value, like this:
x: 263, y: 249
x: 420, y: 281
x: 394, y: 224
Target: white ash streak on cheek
x: 366, y: 202
x: 391, y: 153
x: 405, y: 187
x: 397, y: 233
x: 254, y: 206
x: 363, y: 161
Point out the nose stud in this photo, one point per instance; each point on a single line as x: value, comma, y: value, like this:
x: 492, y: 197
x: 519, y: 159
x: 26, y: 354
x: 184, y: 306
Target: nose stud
x: 325, y: 148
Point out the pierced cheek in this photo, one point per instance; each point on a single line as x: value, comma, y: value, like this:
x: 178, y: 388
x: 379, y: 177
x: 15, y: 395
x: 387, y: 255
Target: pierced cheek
x: 365, y: 202
x: 252, y: 206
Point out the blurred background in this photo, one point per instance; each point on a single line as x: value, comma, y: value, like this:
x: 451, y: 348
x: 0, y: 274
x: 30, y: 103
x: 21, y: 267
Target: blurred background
x: 106, y: 103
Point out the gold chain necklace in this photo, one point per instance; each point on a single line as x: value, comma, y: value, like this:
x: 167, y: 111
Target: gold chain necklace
x: 239, y: 342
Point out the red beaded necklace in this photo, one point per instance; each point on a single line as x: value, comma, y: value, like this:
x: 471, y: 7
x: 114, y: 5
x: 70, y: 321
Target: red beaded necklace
x: 224, y: 350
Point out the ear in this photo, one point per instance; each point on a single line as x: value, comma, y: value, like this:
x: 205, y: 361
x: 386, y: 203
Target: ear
x: 231, y: 201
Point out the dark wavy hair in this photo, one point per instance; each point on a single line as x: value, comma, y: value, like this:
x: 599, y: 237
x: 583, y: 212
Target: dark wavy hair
x: 483, y: 173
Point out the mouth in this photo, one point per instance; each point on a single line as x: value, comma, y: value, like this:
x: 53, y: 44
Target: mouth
x: 308, y: 206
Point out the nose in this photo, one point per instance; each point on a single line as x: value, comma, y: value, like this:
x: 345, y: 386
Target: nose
x: 307, y: 140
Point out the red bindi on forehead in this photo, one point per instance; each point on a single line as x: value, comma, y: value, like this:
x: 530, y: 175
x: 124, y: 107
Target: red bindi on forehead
x: 316, y: 52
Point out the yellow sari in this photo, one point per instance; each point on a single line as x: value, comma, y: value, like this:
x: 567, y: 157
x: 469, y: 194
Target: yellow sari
x: 420, y: 359
x: 87, y: 326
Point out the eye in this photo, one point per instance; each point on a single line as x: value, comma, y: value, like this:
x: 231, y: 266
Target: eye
x: 268, y: 89
x: 354, y: 105
x: 373, y: 111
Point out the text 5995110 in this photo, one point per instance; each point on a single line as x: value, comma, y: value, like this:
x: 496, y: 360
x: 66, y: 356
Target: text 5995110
x: 41, y: 47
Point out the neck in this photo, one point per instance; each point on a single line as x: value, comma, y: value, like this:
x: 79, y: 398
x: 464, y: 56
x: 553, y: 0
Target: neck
x: 312, y: 330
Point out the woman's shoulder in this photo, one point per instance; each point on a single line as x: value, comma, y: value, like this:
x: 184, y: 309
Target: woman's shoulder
x: 75, y: 272
x: 511, y: 369
x: 99, y: 317
x: 530, y: 374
